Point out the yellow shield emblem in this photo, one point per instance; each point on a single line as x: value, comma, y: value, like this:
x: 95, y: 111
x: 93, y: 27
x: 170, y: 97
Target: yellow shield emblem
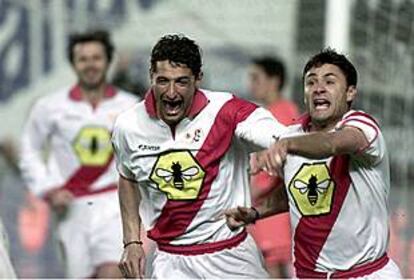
x: 312, y: 189
x: 178, y: 174
x: 93, y: 145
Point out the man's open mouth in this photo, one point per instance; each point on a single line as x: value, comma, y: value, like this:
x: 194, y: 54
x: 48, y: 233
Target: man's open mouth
x: 321, y: 103
x: 172, y: 107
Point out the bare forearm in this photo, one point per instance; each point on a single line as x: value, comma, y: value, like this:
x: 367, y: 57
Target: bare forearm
x: 275, y: 203
x: 326, y: 144
x: 317, y: 145
x: 129, y: 199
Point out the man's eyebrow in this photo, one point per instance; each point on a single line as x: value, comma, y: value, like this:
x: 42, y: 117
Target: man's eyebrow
x: 325, y: 75
x: 330, y: 74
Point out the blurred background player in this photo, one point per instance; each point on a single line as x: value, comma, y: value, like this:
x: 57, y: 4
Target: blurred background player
x: 267, y: 76
x: 78, y: 179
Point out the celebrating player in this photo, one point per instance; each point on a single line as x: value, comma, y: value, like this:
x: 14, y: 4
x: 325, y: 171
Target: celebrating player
x: 183, y: 155
x: 336, y: 172
x: 79, y: 179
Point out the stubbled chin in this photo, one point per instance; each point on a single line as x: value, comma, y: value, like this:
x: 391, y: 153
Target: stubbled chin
x: 172, y: 113
x: 172, y: 118
x: 320, y: 114
x: 92, y: 82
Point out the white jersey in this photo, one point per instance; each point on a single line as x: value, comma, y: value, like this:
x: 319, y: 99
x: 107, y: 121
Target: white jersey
x: 189, y: 176
x: 338, y: 205
x: 77, y: 138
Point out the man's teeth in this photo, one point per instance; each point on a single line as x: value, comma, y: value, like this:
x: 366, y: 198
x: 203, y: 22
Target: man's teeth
x: 321, y: 104
x: 173, y: 107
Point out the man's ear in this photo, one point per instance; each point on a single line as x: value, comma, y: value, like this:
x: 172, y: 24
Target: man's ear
x: 199, y: 79
x: 151, y: 76
x: 351, y: 94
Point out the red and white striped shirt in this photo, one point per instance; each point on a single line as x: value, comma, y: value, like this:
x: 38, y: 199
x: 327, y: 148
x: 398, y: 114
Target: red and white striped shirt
x: 338, y: 205
x: 189, y: 176
x: 77, y: 138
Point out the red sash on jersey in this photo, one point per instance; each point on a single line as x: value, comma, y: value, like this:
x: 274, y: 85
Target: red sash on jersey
x: 80, y: 182
x: 177, y: 215
x: 204, y: 248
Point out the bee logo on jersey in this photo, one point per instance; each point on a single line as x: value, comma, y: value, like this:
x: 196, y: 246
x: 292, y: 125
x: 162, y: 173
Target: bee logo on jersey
x: 93, y: 145
x: 312, y: 189
x: 178, y: 174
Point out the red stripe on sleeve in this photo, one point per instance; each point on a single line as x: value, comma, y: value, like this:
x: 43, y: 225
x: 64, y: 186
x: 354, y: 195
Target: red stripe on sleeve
x: 365, y: 123
x: 362, y: 114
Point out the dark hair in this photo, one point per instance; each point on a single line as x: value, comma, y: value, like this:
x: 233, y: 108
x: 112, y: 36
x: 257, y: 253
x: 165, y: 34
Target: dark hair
x: 273, y: 67
x: 177, y: 49
x: 100, y: 36
x: 330, y: 56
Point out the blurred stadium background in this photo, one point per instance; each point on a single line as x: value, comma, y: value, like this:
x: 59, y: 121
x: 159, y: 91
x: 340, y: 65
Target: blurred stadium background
x: 378, y: 36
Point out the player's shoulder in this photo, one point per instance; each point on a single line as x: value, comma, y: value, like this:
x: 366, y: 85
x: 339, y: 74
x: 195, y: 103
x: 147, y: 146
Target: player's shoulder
x: 131, y: 117
x: 361, y: 120
x: 228, y: 100
x: 359, y: 115
x: 126, y: 96
x: 217, y: 97
x: 295, y: 129
x: 53, y: 99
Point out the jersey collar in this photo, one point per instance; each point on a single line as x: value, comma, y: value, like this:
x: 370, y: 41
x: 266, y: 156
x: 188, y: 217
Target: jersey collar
x: 199, y: 102
x: 75, y: 93
x: 305, y: 121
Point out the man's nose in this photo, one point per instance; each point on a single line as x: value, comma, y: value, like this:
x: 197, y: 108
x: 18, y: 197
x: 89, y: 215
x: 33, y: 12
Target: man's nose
x: 171, y: 92
x: 319, y: 88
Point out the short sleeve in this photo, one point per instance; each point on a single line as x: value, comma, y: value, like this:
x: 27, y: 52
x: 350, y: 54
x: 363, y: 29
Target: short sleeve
x: 122, y: 152
x: 369, y: 126
x: 260, y: 129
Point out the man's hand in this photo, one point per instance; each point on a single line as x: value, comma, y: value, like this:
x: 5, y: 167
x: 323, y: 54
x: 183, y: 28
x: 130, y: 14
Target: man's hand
x: 59, y: 200
x: 132, y: 264
x: 273, y: 159
x: 240, y: 216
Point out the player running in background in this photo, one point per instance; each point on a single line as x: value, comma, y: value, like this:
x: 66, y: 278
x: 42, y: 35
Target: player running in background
x: 336, y: 172
x: 79, y: 177
x: 267, y: 77
x: 183, y: 155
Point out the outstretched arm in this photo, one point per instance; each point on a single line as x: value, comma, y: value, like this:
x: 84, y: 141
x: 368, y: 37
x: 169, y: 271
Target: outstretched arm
x: 348, y: 140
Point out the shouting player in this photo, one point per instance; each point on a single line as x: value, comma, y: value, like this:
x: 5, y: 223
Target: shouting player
x: 336, y: 173
x: 183, y: 155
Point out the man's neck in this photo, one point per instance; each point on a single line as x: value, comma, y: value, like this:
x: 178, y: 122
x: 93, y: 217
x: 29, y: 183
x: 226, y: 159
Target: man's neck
x: 323, y: 127
x: 93, y: 96
x: 315, y: 127
x: 272, y: 98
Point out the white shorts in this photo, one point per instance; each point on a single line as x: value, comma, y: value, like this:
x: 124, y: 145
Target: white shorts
x: 389, y: 271
x: 91, y: 234
x: 6, y: 268
x: 243, y: 261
